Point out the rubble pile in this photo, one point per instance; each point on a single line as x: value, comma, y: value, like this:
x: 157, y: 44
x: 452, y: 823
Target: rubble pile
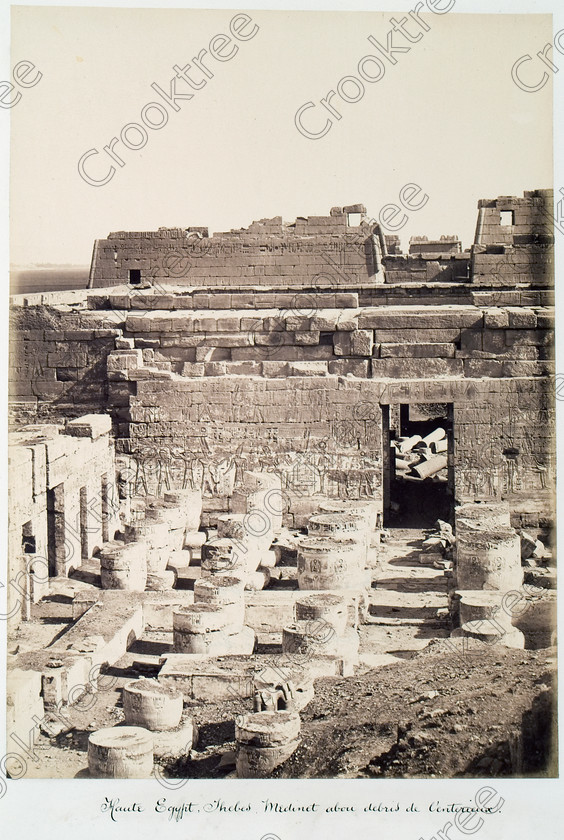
x: 438, y: 546
x: 418, y: 458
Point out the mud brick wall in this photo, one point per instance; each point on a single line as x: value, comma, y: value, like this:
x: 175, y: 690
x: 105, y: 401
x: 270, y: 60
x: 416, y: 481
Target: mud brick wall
x: 268, y: 253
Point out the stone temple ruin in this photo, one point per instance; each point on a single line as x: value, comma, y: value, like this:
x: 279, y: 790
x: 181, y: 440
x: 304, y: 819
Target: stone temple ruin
x: 233, y: 457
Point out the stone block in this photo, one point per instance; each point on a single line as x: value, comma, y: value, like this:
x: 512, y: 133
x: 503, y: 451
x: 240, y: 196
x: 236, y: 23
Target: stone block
x: 307, y: 338
x: 496, y: 318
x: 307, y: 368
x: 415, y: 368
x: 362, y: 342
x: 522, y: 319
x: 125, y: 360
x: 214, y: 369
x: 275, y: 369
x: 325, y: 320
x: 192, y: 369
x: 470, y: 339
x: 91, y: 425
x: 417, y: 351
x: 480, y: 368
x: 342, y: 343
x: 243, y: 368
x: 349, y: 367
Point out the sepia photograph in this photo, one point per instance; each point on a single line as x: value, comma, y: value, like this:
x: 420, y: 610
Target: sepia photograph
x: 281, y: 409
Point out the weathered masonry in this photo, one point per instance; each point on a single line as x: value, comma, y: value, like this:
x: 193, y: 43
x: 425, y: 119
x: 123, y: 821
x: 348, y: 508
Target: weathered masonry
x: 303, y: 348
x: 231, y: 451
x: 62, y: 502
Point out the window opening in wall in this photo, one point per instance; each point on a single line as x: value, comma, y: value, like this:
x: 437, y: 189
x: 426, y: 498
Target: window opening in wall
x: 507, y: 218
x: 134, y: 276
x: 354, y: 219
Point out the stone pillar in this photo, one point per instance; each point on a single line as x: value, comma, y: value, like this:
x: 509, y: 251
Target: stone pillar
x: 124, y: 566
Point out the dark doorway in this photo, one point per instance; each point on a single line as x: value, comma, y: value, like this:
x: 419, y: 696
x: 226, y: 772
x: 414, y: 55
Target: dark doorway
x: 134, y: 276
x: 28, y: 539
x: 418, y: 464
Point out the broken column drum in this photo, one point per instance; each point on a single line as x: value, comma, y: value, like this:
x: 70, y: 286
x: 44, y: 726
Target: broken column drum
x: 426, y: 469
x: 264, y: 741
x: 137, y: 505
x: 368, y: 510
x: 220, y: 556
x: 161, y: 581
x: 488, y: 631
x: 191, y: 503
x: 156, y: 536
x: 252, y: 532
x: 339, y: 526
x: 371, y: 511
x: 120, y: 752
x: 173, y: 516
x: 434, y: 436
x: 486, y: 516
x: 488, y: 560
x: 325, y: 563
x: 203, y: 628
x: 124, y: 566
x: 225, y: 592
x: 308, y: 639
x: 148, y: 703
x: 483, y: 605
x: 323, y: 608
x: 261, y: 492
x: 165, y: 513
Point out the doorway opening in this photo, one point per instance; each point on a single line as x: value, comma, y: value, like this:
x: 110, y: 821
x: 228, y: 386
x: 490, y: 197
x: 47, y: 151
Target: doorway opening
x: 418, y: 464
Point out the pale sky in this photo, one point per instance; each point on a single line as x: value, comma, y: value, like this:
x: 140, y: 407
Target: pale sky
x: 447, y: 116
